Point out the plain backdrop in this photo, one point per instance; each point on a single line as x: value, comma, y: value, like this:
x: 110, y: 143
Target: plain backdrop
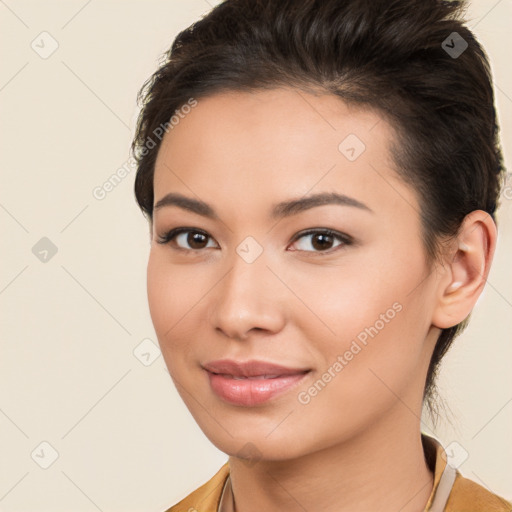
x: 89, y: 417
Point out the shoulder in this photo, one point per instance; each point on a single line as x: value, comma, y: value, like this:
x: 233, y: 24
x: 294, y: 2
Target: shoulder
x: 469, y: 496
x: 205, y: 498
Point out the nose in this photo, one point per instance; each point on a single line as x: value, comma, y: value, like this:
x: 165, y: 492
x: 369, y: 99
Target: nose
x: 248, y: 298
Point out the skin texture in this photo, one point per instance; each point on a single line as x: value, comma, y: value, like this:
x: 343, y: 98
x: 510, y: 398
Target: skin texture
x: 355, y: 446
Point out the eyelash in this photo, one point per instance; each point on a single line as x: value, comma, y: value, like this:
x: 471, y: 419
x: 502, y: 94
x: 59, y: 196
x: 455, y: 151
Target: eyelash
x: 170, y: 235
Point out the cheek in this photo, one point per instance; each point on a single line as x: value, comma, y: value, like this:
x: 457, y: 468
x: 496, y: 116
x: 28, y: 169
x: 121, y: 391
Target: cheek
x: 373, y: 366
x: 345, y: 300
x: 370, y: 319
x: 177, y: 294
x: 172, y: 294
x: 162, y: 296
x: 173, y: 291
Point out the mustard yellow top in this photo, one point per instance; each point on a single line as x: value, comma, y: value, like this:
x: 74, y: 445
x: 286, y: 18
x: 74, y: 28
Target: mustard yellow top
x: 451, y: 491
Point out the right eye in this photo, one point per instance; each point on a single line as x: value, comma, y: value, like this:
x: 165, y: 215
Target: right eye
x: 196, y: 239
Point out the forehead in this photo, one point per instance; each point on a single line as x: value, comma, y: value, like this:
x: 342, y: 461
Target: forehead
x: 250, y: 147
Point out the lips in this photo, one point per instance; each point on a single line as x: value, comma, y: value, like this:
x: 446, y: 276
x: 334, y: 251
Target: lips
x: 251, y: 369
x: 251, y: 383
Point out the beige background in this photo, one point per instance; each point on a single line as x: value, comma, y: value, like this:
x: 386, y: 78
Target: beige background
x: 71, y: 369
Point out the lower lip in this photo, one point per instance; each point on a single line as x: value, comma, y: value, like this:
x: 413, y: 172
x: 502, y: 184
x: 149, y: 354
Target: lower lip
x: 250, y: 392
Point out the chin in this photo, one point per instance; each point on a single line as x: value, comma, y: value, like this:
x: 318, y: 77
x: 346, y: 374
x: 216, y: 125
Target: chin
x: 256, y: 444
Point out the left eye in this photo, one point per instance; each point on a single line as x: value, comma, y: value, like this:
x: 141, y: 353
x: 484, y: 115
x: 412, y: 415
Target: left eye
x: 322, y: 239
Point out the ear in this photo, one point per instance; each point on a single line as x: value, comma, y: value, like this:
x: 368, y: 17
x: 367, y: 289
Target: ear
x: 466, y: 268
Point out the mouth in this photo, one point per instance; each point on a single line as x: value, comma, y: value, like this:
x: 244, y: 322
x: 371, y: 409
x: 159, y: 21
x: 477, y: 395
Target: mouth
x: 253, y: 382
x: 249, y: 369
x: 254, y: 377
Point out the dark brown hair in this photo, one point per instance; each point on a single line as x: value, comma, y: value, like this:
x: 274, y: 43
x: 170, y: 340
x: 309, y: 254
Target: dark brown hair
x: 399, y: 57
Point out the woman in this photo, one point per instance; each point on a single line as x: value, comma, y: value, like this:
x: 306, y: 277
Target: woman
x: 320, y: 179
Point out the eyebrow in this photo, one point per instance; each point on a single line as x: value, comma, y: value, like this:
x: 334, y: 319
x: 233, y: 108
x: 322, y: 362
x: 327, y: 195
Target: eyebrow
x: 278, y: 211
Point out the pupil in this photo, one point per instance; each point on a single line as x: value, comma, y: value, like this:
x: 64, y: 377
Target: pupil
x: 194, y: 239
x: 326, y: 238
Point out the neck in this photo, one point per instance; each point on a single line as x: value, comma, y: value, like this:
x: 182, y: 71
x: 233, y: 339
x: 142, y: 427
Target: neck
x: 383, y: 469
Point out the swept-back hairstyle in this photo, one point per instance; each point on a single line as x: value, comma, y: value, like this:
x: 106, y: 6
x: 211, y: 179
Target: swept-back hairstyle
x: 398, y: 57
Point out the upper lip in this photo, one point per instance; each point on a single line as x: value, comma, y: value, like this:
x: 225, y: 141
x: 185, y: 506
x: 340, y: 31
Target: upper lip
x: 252, y: 368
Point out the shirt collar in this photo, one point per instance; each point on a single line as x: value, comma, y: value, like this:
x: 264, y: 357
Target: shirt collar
x: 444, y: 474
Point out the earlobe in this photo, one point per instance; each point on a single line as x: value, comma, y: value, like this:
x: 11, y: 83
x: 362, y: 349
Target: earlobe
x: 466, y: 269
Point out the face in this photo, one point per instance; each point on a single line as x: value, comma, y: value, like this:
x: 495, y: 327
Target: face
x: 338, y: 288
